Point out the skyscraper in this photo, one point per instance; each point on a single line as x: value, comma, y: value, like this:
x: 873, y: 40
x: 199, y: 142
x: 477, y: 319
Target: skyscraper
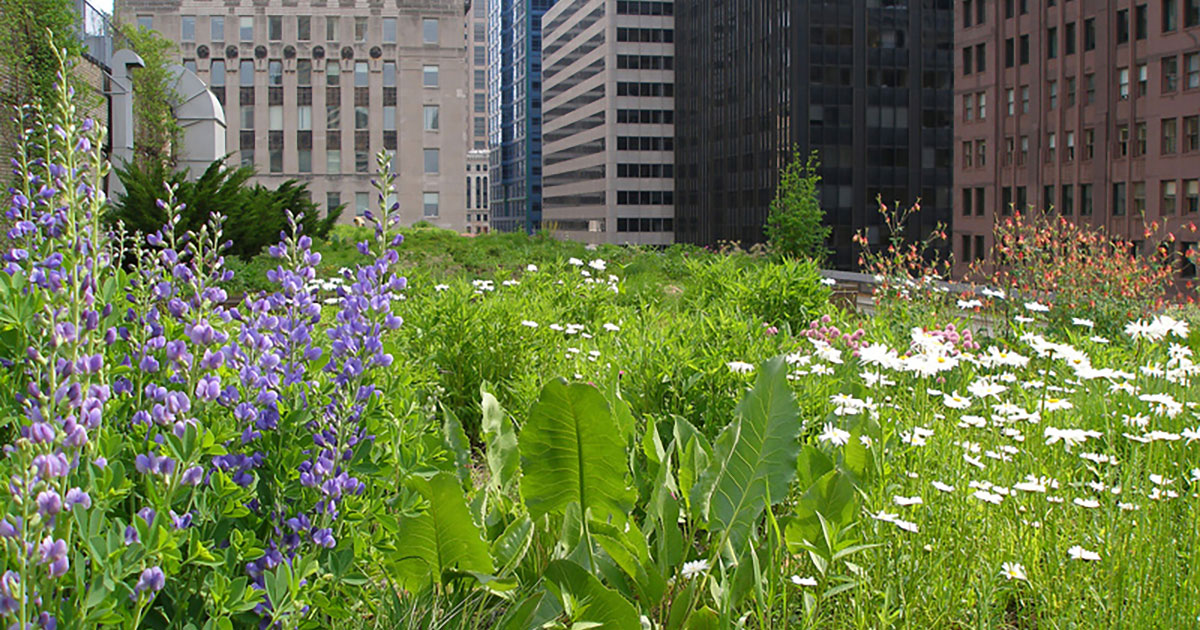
x: 866, y: 84
x: 1090, y: 112
x: 609, y: 108
x: 515, y: 108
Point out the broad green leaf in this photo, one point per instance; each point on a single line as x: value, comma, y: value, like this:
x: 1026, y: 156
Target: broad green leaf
x: 572, y: 452
x: 812, y: 465
x: 456, y: 442
x: 628, y: 549
x: 444, y: 538
x: 592, y: 600
x: 858, y: 458
x: 754, y: 458
x: 704, y: 619
x: 511, y: 546
x: 501, y: 441
x: 832, y: 498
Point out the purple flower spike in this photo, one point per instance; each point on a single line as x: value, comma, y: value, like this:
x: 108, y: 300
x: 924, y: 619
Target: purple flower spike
x: 152, y: 579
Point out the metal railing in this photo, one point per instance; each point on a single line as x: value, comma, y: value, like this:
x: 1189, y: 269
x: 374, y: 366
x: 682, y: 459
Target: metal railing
x: 97, y: 32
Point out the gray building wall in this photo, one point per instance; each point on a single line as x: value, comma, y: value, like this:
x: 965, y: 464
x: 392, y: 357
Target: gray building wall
x: 320, y: 105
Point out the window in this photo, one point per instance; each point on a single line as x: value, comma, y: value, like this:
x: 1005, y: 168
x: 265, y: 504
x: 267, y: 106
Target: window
x: 1191, y: 192
x: 1070, y: 145
x: 304, y: 117
x: 979, y: 202
x: 1052, y: 43
x: 1008, y: 8
x: 1051, y: 145
x: 1010, y: 53
x: 967, y: 154
x: 1122, y: 140
x: 360, y: 29
x: 333, y: 73
x: 333, y: 161
x: 480, y: 126
x: 480, y: 79
x: 1069, y: 38
x: 1085, y: 200
x: 303, y: 28
x: 216, y: 27
x: 1123, y: 26
x: 1143, y: 79
x: 429, y: 76
x: 333, y: 117
x: 480, y: 56
x: 304, y: 160
x: 967, y: 202
x: 966, y: 60
x: 275, y: 117
x: 1010, y: 96
x: 1089, y: 143
x: 1123, y: 83
x: 362, y: 117
x: 389, y: 30
x: 389, y: 117
x: 981, y: 98
x: 1024, y: 99
x: 1170, y: 74
x: 274, y: 27
x: 217, y: 73
x: 1010, y: 147
x: 275, y: 72
x: 480, y: 103
x: 1191, y: 69
x: 304, y: 72
x: 1118, y: 199
x: 276, y: 160
x: 1067, y: 204
x: 429, y: 30
x: 1052, y: 94
x: 1191, y: 13
x: 1170, y: 15
x: 331, y: 28
x: 362, y: 202
x: 980, y: 57
x: 1006, y: 201
x: 247, y: 117
x: 1141, y: 21
x: 360, y: 74
x: 1167, y: 187
x: 1024, y: 155
x: 1170, y: 135
x: 187, y: 28
x: 1191, y: 133
x: 1089, y: 34
x: 332, y: 201
x: 1139, y: 198
x: 432, y: 115
x: 246, y: 28
x: 1089, y: 86
x: 1047, y: 198
x: 1139, y: 138
x: 981, y: 153
x: 246, y: 73
x: 432, y: 161
x: 1070, y: 89
x: 968, y: 107
x: 389, y: 74
x: 145, y: 22
x: 430, y: 204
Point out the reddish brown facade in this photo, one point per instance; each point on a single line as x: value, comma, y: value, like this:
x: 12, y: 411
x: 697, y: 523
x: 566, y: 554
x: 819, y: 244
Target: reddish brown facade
x: 1090, y: 108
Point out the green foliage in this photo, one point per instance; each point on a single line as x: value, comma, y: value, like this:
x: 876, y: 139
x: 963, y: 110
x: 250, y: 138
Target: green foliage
x: 27, y: 52
x: 156, y: 131
x: 255, y: 215
x: 442, y: 539
x: 571, y: 452
x: 796, y: 223
x: 787, y: 291
x: 753, y: 458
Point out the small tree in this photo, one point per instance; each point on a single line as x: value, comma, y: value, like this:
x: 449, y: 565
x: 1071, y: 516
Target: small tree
x: 156, y: 131
x: 796, y: 225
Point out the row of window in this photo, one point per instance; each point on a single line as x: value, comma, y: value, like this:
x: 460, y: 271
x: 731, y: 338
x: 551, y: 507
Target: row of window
x: 431, y: 201
x: 645, y: 143
x: 480, y: 184
x: 1062, y: 199
x: 628, y: 88
x: 643, y: 224
x: 645, y: 197
x: 303, y: 28
x: 653, y: 171
x: 431, y: 117
x: 333, y: 157
x: 635, y: 7
x: 1169, y: 137
x: 1168, y: 76
x: 645, y: 62
x: 430, y: 75
x: 646, y: 116
x: 973, y: 248
x: 648, y: 35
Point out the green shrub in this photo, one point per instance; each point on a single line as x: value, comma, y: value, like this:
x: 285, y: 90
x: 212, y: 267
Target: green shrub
x: 786, y: 291
x: 254, y: 215
x: 795, y: 226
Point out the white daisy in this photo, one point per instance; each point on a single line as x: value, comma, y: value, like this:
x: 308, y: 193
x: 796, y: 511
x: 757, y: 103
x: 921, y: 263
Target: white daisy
x: 694, y: 568
x: 1013, y: 571
x: 1079, y: 553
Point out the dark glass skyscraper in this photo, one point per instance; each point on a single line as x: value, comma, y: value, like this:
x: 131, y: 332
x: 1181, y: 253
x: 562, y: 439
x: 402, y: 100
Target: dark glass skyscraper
x: 515, y: 112
x: 866, y: 84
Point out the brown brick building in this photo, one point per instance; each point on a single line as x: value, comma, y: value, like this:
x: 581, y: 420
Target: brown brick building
x: 1088, y: 108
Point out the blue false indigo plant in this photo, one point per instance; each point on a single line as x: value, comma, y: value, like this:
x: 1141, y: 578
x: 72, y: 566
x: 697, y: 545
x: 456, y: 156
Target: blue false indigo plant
x: 170, y: 457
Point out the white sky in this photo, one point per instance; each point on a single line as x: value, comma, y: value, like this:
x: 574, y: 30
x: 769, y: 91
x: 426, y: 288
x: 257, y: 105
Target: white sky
x: 103, y: 5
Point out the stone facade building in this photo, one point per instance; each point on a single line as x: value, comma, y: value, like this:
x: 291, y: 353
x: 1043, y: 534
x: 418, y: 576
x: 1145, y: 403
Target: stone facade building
x: 313, y: 90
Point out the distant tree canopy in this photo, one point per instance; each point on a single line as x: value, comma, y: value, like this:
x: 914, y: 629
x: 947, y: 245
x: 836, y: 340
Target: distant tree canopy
x: 255, y: 215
